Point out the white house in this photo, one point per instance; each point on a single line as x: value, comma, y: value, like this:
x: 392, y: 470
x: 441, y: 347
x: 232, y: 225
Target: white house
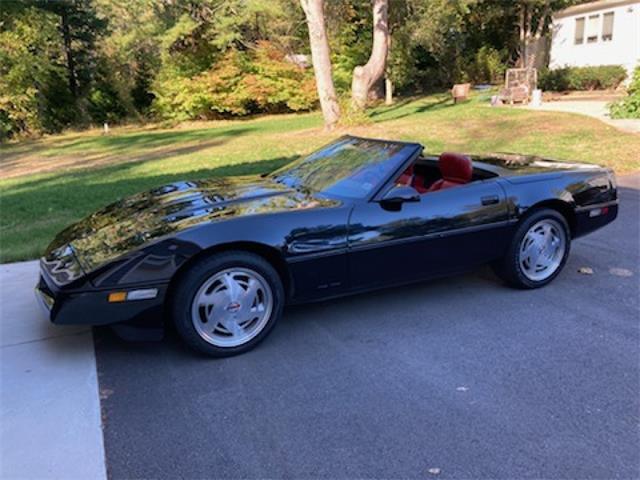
x: 606, y: 32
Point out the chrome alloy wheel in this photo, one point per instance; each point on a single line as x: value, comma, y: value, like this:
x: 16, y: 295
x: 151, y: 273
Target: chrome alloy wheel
x: 542, y: 250
x: 232, y: 307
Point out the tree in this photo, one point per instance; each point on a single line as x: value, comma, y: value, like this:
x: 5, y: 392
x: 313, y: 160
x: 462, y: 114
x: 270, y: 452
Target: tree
x: 321, y: 58
x: 79, y: 27
x: 534, y: 19
x: 365, y: 76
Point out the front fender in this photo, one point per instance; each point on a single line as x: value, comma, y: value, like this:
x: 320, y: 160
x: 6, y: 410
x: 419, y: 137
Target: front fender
x: 292, y: 235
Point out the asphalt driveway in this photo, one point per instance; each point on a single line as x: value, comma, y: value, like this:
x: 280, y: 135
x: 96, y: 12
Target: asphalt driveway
x: 457, y: 378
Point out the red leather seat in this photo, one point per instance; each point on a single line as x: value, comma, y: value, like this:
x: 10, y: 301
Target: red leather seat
x: 412, y: 179
x: 418, y: 183
x: 456, y: 170
x: 407, y: 177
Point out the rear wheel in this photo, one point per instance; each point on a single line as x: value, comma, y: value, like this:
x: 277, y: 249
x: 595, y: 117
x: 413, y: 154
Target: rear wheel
x: 538, y: 250
x: 228, y: 303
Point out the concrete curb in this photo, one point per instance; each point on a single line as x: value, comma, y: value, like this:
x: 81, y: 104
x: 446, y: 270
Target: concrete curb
x: 50, y: 419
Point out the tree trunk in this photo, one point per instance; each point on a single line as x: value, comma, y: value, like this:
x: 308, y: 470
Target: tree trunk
x: 530, y: 39
x: 365, y: 76
x: 388, y: 91
x: 522, y: 61
x: 71, y: 65
x: 534, y: 44
x: 388, y: 84
x: 321, y: 58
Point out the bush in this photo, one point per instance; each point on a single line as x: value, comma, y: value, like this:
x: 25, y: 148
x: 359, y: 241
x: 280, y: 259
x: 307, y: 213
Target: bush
x: 104, y: 105
x: 582, y: 78
x: 629, y: 107
x: 486, y: 66
x: 30, y: 76
x: 240, y: 83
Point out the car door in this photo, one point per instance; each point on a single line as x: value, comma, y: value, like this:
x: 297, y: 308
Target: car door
x: 445, y: 231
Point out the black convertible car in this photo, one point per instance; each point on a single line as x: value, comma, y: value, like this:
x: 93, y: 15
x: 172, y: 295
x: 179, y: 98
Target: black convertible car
x: 221, y: 257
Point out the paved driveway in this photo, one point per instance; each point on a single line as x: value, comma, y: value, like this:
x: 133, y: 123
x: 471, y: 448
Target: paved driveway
x: 592, y: 108
x: 462, y: 375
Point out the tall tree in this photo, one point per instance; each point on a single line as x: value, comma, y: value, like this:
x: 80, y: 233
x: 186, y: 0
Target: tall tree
x: 79, y: 27
x: 534, y: 19
x: 321, y: 57
x: 365, y: 76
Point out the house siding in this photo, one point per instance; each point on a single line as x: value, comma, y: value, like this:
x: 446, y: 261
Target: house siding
x: 623, y: 49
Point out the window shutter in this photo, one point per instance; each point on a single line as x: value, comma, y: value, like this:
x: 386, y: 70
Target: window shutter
x: 579, y: 36
x: 607, y: 27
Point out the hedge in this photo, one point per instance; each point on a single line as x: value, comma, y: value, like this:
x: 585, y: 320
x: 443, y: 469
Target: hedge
x: 629, y: 106
x: 582, y: 78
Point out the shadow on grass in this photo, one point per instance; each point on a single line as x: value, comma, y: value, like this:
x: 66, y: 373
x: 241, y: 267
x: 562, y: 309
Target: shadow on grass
x: 149, y: 139
x: 68, y: 197
x: 146, y: 146
x: 408, y: 107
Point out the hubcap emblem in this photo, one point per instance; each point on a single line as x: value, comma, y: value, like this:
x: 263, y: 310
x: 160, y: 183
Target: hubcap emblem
x: 233, y: 307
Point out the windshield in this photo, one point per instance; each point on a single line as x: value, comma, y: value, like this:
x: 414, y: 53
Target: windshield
x: 349, y: 167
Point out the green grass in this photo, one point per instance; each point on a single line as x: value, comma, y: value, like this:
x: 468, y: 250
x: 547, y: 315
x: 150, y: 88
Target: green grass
x: 51, y: 182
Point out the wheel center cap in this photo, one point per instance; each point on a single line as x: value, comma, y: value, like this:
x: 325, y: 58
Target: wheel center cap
x: 233, y: 307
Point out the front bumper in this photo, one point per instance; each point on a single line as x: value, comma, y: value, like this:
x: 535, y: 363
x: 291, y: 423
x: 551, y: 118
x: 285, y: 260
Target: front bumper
x: 91, y: 307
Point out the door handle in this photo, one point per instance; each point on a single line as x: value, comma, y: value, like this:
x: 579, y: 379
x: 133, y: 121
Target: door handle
x: 490, y: 200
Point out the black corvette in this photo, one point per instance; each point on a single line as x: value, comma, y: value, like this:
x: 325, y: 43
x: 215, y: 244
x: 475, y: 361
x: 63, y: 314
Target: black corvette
x: 221, y: 257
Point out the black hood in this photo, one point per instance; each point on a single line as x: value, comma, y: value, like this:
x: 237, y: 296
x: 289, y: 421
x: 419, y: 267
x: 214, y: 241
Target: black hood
x: 140, y: 219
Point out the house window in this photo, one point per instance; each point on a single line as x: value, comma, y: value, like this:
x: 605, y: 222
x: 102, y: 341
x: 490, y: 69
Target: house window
x: 592, y: 28
x: 607, y: 27
x: 579, y: 38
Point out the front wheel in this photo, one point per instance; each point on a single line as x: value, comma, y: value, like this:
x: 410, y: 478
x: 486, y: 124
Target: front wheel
x: 538, y: 250
x: 228, y: 303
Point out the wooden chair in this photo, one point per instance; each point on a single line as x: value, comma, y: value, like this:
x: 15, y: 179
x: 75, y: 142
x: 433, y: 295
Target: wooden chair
x: 460, y: 91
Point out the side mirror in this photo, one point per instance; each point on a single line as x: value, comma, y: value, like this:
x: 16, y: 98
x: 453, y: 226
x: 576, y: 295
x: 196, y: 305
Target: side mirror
x: 399, y: 195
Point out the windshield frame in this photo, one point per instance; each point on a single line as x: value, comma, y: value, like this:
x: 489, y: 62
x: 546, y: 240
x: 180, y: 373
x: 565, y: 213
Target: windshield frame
x: 410, y: 150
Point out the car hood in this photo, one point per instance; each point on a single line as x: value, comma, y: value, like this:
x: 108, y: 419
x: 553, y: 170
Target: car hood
x: 143, y: 218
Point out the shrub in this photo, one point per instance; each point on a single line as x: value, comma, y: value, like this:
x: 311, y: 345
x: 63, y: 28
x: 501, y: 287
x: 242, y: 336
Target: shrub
x: 104, y: 105
x: 486, y: 66
x: 628, y: 107
x: 239, y: 83
x: 31, y: 75
x: 582, y: 78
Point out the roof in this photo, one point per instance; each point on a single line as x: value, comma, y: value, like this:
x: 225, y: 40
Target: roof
x: 593, y: 6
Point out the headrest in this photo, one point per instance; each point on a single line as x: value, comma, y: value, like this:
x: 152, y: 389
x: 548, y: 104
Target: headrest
x: 455, y: 167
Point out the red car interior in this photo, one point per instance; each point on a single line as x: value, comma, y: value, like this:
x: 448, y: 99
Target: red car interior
x: 456, y: 169
x: 407, y: 177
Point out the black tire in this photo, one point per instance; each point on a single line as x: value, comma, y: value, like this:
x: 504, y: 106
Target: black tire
x: 190, y: 283
x: 509, y: 269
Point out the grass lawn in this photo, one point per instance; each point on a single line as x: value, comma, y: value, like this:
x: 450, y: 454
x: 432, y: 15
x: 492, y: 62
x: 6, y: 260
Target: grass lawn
x: 49, y: 183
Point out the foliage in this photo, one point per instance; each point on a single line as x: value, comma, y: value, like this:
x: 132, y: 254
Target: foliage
x: 349, y: 116
x: 73, y: 63
x: 582, y: 78
x: 222, y: 58
x: 46, y: 64
x: 487, y: 66
x: 254, y: 81
x: 31, y: 73
x: 629, y: 107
